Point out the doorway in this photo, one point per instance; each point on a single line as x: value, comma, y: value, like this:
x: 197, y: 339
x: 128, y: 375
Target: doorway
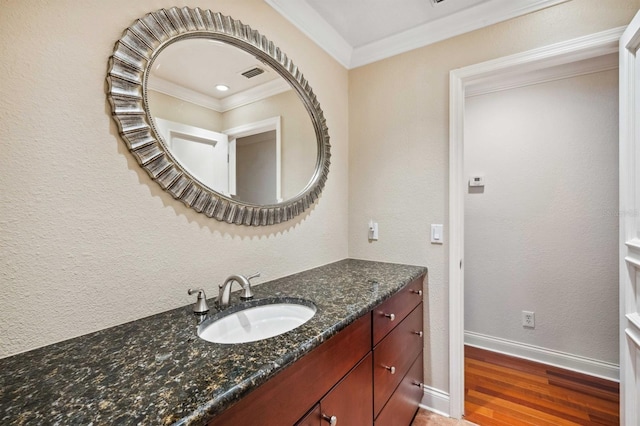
x: 496, y: 74
x: 255, y: 161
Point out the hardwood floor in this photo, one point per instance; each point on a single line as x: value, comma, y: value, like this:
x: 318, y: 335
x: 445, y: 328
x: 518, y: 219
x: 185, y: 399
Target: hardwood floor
x: 506, y: 391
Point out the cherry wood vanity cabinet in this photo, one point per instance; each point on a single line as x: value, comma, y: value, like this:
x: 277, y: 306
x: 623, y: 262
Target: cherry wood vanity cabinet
x: 285, y: 398
x: 397, y: 356
x: 350, y: 402
x: 369, y: 373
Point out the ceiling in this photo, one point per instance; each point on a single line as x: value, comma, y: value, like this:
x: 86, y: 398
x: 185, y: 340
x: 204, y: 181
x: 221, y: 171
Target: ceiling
x: 191, y: 69
x: 358, y: 32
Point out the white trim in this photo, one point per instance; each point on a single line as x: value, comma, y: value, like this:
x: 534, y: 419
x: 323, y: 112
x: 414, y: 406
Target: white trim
x: 435, y: 400
x: 634, y: 320
x: 633, y: 243
x: 629, y: 205
x: 456, y: 247
x: 249, y: 129
x: 480, y: 16
x: 633, y: 336
x: 460, y: 80
x: 545, y: 75
x: 239, y: 99
x: 308, y: 21
x: 578, y: 49
x: 180, y: 92
x: 257, y: 93
x: 581, y: 364
x: 633, y: 261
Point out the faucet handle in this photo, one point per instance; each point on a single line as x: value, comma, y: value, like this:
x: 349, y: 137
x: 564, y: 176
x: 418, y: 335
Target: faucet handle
x: 200, y: 307
x: 247, y: 293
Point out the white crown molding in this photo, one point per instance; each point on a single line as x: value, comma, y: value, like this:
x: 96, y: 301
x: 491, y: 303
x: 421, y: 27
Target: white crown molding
x: 246, y: 97
x: 471, y: 19
x: 256, y: 93
x: 307, y: 20
x: 177, y: 91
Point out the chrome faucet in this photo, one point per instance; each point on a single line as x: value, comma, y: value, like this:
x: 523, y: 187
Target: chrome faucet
x: 224, y: 292
x: 200, y: 307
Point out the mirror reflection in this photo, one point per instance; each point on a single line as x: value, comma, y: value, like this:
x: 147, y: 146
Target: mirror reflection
x: 231, y: 121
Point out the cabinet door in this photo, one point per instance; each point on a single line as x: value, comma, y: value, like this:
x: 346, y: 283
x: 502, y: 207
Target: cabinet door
x: 351, y: 400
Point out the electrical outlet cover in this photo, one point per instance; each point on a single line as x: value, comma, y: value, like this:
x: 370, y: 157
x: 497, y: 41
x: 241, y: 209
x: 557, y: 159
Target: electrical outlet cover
x: 528, y: 319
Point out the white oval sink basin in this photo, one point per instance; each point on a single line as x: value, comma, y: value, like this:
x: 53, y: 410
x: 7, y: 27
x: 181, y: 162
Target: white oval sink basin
x: 268, y: 319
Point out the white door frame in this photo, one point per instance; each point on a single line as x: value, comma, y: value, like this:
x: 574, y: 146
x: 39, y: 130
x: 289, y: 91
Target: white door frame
x: 471, y: 78
x: 629, y: 225
x: 250, y: 129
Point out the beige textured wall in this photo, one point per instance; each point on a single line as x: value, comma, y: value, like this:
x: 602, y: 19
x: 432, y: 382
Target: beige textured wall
x: 398, y: 144
x: 87, y: 239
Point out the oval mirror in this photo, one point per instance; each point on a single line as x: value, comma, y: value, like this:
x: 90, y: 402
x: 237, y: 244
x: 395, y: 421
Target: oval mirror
x: 219, y: 116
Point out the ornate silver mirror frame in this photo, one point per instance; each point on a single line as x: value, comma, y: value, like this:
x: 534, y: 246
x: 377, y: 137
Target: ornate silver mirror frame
x: 129, y: 67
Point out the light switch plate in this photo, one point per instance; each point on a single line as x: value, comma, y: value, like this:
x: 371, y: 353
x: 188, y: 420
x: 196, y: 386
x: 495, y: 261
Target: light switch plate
x: 436, y: 234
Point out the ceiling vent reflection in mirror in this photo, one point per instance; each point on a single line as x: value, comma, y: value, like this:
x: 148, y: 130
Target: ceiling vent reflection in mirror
x: 130, y: 67
x: 253, y: 72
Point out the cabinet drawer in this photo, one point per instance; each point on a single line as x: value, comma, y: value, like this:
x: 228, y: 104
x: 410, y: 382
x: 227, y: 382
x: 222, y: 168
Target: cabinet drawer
x: 394, y: 355
x: 403, y: 404
x: 391, y: 312
x: 285, y: 398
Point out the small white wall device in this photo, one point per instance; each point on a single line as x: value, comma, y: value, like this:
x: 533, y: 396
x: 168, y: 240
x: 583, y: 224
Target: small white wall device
x: 476, y: 181
x: 373, y: 230
x: 436, y: 234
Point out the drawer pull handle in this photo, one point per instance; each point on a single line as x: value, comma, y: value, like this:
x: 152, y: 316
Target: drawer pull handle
x: 333, y: 420
x: 391, y: 317
x: 418, y: 384
x: 392, y: 370
x: 419, y: 333
x: 418, y: 292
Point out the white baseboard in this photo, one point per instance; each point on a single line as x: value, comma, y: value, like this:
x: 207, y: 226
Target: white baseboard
x: 435, y: 400
x: 564, y: 360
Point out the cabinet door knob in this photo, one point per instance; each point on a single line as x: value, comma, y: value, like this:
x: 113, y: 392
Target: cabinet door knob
x: 418, y: 292
x: 419, y: 333
x: 390, y: 316
x: 392, y: 370
x: 332, y: 420
x: 418, y: 384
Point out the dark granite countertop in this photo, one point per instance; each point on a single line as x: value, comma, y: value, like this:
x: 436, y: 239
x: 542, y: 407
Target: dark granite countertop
x: 157, y: 371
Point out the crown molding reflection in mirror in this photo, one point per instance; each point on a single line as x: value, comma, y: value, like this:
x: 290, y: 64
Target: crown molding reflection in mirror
x: 129, y: 67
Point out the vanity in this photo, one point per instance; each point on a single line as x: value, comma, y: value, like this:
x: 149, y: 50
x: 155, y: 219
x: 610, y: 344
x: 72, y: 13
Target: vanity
x: 370, y: 370
x: 350, y: 359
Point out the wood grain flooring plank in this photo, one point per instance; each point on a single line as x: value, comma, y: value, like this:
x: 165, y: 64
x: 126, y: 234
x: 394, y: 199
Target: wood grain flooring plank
x: 517, y: 411
x: 545, y: 394
x: 503, y: 390
x: 556, y: 409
